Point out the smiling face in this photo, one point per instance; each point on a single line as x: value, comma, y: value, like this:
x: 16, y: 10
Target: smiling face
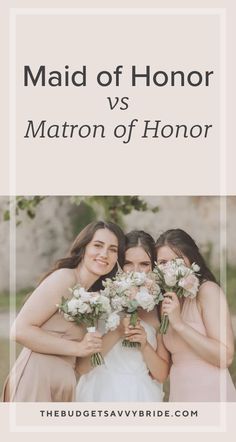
x: 101, y: 253
x: 165, y: 254
x: 137, y: 260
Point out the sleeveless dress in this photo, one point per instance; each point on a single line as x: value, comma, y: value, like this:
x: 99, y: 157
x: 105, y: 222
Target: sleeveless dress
x: 191, y: 378
x: 38, y: 377
x: 123, y: 378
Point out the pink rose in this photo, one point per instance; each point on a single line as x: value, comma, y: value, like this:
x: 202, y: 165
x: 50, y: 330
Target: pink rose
x: 190, y: 284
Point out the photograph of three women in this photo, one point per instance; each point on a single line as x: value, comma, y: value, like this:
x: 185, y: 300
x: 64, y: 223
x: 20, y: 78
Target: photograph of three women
x: 146, y: 273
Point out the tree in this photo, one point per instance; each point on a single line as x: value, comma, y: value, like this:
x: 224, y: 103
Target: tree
x: 111, y: 208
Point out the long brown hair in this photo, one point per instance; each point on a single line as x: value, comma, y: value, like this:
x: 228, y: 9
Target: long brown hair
x: 77, y: 250
x: 139, y: 238
x: 183, y: 245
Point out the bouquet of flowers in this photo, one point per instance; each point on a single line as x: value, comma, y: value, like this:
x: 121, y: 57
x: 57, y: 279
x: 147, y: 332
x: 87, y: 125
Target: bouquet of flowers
x: 87, y: 308
x: 129, y: 291
x: 175, y: 276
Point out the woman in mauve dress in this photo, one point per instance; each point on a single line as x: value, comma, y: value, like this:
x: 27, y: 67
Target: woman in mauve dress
x: 199, y: 337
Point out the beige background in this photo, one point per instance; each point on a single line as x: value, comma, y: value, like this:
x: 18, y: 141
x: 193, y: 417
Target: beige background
x: 166, y: 42
x: 202, y: 178
x: 51, y: 171
x: 107, y: 166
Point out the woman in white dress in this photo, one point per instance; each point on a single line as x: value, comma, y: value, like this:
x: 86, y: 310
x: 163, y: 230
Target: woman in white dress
x: 130, y: 374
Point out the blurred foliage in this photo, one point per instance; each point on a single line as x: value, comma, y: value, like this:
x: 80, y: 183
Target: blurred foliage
x: 231, y: 288
x: 21, y: 296
x: 27, y: 204
x: 232, y: 368
x: 80, y: 215
x: 4, y: 361
x: 4, y: 301
x: 111, y: 208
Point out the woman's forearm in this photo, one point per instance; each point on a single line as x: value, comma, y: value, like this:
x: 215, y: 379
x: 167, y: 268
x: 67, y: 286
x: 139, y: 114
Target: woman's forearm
x: 158, y: 367
x: 211, y: 350
x: 41, y: 341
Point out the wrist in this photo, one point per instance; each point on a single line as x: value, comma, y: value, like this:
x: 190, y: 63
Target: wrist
x: 178, y: 326
x: 76, y: 348
x: 144, y: 347
x: 117, y: 333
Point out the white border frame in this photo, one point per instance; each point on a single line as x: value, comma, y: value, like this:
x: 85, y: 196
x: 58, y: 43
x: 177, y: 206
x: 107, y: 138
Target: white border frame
x: 14, y: 12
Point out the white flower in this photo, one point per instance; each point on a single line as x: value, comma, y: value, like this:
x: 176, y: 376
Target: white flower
x: 183, y: 270
x: 145, y: 300
x: 161, y: 267
x: 170, y: 279
x: 123, y: 285
x: 105, y: 303
x: 73, y: 306
x: 139, y: 278
x: 81, y: 293
x: 84, y: 307
x: 179, y: 261
x: 117, y: 303
x: 86, y: 297
x: 94, y: 299
x: 76, y: 293
x: 68, y: 317
x: 106, y: 292
x: 113, y: 321
x: 195, y: 267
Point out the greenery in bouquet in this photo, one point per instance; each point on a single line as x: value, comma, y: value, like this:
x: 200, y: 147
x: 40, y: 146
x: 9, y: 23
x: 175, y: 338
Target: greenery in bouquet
x: 86, y: 308
x: 175, y: 276
x: 130, y: 291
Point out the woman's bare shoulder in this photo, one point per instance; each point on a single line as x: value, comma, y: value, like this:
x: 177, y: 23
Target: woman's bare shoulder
x: 208, y: 286
x: 209, y: 291
x: 63, y: 277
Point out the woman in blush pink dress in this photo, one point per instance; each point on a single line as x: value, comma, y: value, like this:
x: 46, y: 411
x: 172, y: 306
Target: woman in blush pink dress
x: 45, y: 369
x: 199, y: 337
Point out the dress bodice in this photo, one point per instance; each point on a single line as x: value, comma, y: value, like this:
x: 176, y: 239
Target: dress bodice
x: 57, y: 324
x: 67, y: 330
x: 129, y: 359
x: 179, y: 349
x: 124, y: 377
x: 193, y: 379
